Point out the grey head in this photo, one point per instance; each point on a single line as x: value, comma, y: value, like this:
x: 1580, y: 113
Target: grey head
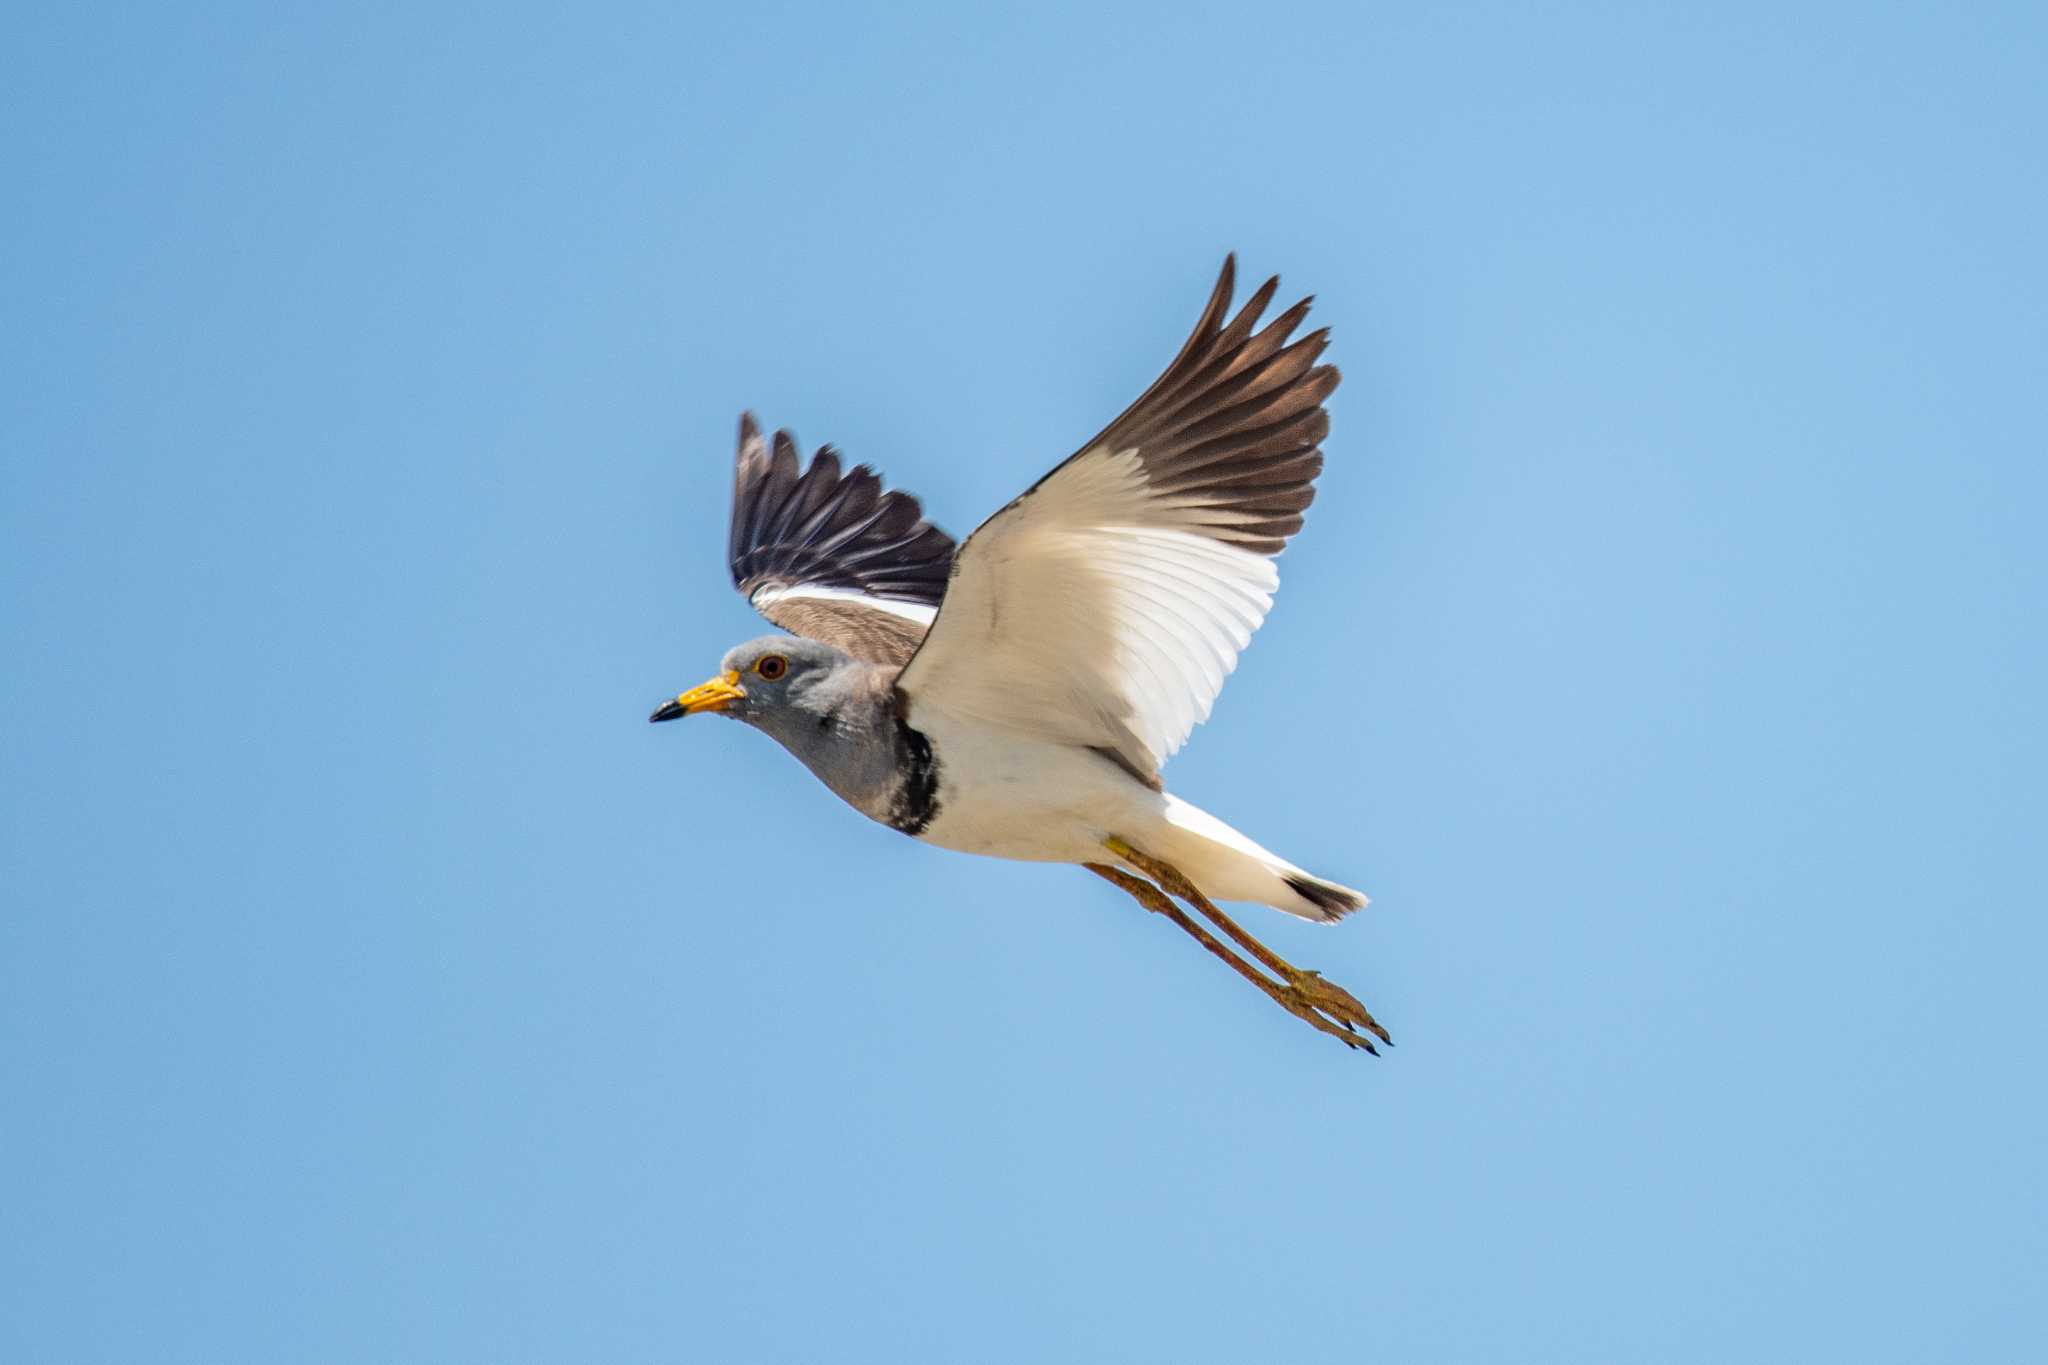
x: 762, y: 680
x: 834, y: 712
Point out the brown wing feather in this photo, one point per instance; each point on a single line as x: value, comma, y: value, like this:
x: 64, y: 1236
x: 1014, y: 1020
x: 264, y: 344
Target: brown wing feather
x: 839, y: 537
x: 1235, y: 423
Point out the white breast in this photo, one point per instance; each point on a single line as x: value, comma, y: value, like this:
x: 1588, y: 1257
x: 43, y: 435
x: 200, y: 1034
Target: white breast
x: 1006, y: 795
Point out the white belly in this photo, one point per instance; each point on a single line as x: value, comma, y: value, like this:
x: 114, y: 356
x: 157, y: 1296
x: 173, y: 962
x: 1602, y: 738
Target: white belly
x: 1006, y: 796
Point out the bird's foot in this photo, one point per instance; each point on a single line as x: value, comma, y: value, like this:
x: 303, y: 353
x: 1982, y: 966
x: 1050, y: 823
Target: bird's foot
x: 1302, y: 1006
x: 1306, y: 995
x: 1328, y: 998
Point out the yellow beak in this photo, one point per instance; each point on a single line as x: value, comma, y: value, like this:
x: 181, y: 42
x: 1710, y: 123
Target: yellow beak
x: 717, y: 695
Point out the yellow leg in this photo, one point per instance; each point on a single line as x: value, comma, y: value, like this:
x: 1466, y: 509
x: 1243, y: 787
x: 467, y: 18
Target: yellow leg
x: 1304, y: 994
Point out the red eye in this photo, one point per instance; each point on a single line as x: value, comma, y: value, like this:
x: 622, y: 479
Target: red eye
x: 772, y: 667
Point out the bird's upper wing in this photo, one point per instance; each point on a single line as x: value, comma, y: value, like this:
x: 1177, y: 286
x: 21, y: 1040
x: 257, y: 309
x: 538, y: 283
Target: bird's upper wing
x: 830, y: 555
x: 1106, y: 606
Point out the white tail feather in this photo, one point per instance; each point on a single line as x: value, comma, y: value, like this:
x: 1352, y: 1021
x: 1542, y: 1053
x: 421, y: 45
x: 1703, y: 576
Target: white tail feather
x: 1227, y: 865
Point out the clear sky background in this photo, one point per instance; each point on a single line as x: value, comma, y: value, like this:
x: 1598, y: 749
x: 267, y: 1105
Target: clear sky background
x: 1664, y: 654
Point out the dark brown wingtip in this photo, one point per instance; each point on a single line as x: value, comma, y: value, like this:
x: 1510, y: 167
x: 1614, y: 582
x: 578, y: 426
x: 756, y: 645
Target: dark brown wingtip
x: 749, y: 446
x: 1234, y: 422
x: 833, y: 529
x: 1206, y: 327
x: 1232, y: 336
x: 1218, y: 306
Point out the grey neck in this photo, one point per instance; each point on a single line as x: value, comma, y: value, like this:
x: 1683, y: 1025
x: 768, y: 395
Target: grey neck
x: 845, y: 729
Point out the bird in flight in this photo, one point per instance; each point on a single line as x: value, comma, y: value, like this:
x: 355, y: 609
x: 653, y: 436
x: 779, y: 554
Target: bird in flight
x: 1017, y: 694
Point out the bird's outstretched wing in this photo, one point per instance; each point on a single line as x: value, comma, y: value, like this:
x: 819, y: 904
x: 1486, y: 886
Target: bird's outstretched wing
x: 1106, y: 606
x: 830, y: 555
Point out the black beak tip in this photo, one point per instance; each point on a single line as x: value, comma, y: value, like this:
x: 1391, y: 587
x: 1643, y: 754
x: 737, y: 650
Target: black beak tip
x: 668, y: 710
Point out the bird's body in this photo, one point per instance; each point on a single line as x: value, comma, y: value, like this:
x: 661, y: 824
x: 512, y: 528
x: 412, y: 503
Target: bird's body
x: 1009, y: 796
x: 1006, y: 796
x: 958, y: 785
x: 1016, y: 696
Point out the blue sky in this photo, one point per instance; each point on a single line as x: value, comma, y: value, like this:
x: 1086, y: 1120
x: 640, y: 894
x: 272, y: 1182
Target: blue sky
x: 1664, y: 655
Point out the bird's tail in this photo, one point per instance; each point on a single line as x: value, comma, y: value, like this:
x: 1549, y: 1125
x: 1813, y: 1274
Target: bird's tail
x: 1333, y: 902
x: 1227, y: 865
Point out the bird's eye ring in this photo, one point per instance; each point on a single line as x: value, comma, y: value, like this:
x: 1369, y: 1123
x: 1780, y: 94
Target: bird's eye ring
x: 772, y: 667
